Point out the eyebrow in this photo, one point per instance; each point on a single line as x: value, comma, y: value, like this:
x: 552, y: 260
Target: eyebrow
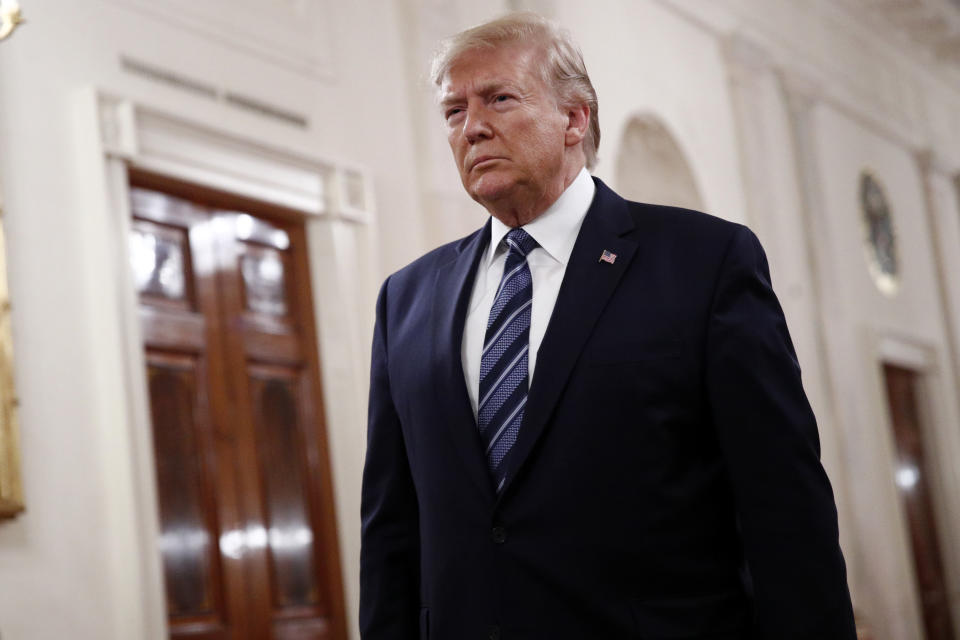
x: 484, y: 90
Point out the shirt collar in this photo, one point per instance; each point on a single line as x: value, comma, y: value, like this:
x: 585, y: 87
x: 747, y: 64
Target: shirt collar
x: 556, y: 229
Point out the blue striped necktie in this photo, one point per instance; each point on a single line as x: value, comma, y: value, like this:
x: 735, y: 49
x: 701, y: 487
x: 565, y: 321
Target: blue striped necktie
x: 503, y: 365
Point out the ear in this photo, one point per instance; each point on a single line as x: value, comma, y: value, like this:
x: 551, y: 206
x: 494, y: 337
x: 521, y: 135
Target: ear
x: 578, y: 119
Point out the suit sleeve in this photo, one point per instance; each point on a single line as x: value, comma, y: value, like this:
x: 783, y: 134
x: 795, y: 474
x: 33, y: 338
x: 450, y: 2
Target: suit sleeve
x: 390, y: 540
x: 768, y: 436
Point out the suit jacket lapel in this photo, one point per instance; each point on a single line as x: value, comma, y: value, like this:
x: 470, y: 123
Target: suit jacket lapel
x: 454, y: 283
x: 587, y: 285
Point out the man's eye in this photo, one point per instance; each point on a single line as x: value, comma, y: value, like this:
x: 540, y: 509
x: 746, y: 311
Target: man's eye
x: 501, y: 98
x: 453, y: 112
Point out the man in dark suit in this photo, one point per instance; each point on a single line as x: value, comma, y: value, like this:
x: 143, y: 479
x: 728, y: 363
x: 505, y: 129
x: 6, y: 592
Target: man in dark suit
x: 586, y: 419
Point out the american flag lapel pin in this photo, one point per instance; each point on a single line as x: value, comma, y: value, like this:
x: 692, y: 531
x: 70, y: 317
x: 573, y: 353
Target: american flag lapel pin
x: 608, y: 257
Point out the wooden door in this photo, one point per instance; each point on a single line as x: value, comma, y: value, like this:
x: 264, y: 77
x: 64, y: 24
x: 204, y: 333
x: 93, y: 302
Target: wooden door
x: 248, y: 538
x: 912, y: 479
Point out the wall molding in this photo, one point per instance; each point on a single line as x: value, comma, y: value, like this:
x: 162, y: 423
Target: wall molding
x: 156, y: 141
x: 935, y: 397
x: 885, y: 93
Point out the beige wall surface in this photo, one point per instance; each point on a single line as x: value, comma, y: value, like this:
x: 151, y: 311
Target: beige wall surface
x: 70, y: 566
x: 862, y: 320
x: 776, y: 106
x: 662, y: 65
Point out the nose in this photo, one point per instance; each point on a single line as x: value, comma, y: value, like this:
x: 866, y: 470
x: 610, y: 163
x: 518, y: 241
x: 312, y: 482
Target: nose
x: 476, y: 127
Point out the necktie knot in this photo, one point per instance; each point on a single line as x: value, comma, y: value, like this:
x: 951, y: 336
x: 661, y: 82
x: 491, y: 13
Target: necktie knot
x: 520, y: 242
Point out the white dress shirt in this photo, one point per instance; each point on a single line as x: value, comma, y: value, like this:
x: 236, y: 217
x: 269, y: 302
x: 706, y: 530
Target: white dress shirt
x: 555, y: 231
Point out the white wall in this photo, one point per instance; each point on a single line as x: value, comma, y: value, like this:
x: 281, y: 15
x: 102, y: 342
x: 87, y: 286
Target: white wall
x: 448, y: 212
x: 59, y: 574
x: 643, y: 58
x: 861, y: 317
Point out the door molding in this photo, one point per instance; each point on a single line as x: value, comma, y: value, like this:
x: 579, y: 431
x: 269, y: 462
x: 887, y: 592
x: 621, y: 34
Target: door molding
x: 170, y: 145
x: 942, y: 445
x: 117, y: 134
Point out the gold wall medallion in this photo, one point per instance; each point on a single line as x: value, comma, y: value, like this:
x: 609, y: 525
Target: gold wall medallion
x: 10, y: 18
x: 880, y: 240
x: 11, y: 490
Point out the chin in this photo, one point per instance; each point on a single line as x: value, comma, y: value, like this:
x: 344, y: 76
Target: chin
x: 491, y: 189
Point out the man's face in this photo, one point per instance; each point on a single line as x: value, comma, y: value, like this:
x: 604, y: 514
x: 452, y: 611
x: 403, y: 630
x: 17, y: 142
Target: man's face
x: 504, y: 127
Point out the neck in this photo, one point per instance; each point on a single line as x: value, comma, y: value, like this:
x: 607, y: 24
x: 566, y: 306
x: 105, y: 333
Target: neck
x: 523, y: 208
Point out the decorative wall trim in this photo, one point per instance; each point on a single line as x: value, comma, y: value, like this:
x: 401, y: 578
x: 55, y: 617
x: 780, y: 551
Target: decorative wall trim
x: 886, y: 94
x: 171, y: 145
x: 182, y: 82
x: 906, y: 353
x: 929, y: 164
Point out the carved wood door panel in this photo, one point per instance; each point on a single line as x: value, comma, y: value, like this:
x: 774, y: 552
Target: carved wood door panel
x: 248, y: 539
x: 914, y: 484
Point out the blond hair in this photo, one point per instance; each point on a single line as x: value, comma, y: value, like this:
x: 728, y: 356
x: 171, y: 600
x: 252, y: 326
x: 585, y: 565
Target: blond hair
x: 561, y: 66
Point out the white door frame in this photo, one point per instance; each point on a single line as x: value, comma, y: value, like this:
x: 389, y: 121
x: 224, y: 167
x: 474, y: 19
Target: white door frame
x: 116, y: 134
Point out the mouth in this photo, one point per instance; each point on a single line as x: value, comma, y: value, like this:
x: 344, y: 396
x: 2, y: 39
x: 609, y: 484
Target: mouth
x: 483, y: 160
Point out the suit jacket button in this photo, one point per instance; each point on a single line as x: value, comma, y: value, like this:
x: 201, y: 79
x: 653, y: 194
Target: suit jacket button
x: 494, y: 633
x: 499, y: 535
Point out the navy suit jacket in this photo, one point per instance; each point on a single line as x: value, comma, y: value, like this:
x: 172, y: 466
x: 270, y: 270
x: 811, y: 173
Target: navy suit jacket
x: 666, y: 480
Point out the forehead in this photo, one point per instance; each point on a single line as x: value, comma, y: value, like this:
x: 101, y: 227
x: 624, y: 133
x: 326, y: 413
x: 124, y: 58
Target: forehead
x: 487, y: 68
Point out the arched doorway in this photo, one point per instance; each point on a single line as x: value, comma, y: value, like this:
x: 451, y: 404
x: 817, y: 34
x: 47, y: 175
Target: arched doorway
x: 651, y: 166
